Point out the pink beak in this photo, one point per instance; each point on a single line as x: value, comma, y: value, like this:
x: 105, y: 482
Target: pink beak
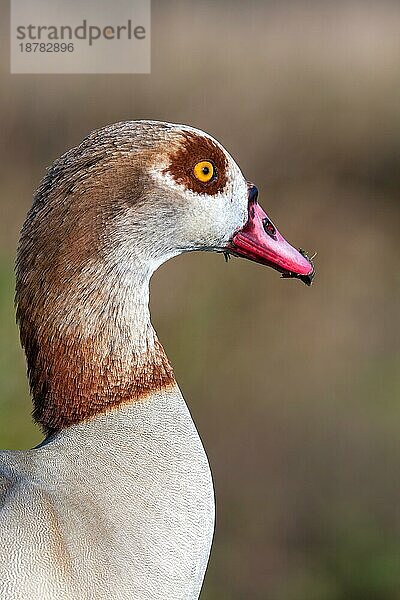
x: 260, y: 241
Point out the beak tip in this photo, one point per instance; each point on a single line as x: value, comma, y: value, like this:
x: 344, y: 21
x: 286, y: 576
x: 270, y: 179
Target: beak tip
x: 307, y: 279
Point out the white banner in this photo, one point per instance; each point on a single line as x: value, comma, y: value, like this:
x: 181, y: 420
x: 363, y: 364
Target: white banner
x: 85, y: 36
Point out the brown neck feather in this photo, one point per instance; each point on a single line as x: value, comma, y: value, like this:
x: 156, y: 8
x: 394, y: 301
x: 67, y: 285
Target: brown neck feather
x: 71, y: 383
x: 75, y: 375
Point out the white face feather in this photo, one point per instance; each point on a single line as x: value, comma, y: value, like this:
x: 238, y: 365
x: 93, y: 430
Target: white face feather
x: 205, y: 220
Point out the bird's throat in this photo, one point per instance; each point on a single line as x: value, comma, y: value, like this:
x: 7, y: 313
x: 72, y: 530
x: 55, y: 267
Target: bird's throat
x: 95, y: 351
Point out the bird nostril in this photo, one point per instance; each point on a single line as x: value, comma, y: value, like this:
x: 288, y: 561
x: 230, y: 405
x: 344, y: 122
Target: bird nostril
x: 269, y: 228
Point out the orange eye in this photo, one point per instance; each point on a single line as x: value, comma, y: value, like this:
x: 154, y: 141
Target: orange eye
x: 204, y: 171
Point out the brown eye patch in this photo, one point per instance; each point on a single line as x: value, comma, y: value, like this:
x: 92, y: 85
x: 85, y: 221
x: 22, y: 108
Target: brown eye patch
x: 193, y: 150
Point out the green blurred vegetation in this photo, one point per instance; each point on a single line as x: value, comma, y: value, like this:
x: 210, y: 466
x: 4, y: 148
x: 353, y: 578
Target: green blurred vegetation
x: 16, y: 426
x: 295, y: 391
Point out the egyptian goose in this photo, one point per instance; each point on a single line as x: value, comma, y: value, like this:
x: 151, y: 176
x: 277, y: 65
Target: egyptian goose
x: 117, y: 501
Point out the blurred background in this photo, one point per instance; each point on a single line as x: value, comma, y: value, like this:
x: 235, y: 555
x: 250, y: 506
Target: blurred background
x: 295, y: 390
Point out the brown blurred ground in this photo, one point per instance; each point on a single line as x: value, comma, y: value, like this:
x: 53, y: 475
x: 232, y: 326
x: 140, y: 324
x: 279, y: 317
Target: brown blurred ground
x: 296, y: 391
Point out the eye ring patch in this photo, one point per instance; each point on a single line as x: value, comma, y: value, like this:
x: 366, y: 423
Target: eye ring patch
x: 205, y: 171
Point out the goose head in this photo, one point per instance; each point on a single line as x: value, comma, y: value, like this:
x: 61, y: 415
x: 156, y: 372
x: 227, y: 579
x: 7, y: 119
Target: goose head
x: 106, y: 215
x: 205, y: 203
x: 183, y: 192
